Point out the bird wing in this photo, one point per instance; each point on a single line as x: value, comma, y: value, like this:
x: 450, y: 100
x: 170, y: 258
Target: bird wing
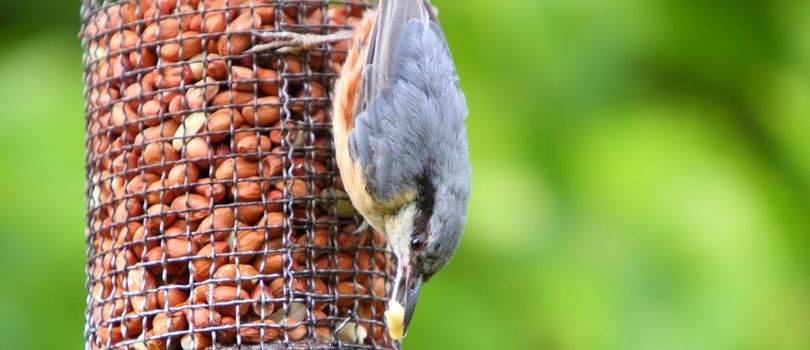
x: 412, y: 119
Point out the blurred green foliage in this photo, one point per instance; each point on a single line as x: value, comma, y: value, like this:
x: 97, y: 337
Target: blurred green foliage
x: 641, y: 177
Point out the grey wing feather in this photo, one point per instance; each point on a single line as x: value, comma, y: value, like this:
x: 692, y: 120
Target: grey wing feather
x: 412, y: 129
x: 360, y: 142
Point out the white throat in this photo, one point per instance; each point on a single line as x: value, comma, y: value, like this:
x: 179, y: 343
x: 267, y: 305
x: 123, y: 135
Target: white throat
x: 398, y: 229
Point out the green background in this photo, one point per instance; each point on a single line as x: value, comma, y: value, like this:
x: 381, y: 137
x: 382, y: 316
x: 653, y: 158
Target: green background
x: 641, y: 176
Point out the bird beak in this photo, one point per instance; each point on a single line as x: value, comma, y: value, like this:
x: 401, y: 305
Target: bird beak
x: 414, y: 284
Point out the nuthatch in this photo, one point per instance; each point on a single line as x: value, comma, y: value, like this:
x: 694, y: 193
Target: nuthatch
x: 400, y: 139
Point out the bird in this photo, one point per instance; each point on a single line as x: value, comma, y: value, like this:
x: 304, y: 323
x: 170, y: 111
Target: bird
x: 400, y: 137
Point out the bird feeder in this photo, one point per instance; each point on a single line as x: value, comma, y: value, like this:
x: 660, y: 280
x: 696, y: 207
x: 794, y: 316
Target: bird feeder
x: 216, y: 218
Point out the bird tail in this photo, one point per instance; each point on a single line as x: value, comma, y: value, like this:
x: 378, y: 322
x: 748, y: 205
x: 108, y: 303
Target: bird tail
x: 392, y: 16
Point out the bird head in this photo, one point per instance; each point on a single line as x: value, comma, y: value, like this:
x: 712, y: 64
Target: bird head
x: 425, y: 233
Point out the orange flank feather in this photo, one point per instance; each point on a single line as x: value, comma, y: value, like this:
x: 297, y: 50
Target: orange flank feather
x: 348, y: 85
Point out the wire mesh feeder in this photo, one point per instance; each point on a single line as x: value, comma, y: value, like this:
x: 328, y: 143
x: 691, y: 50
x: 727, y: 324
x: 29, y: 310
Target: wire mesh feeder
x: 216, y: 217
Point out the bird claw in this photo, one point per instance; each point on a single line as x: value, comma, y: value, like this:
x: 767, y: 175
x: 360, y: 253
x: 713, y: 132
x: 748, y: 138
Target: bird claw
x: 278, y: 47
x: 290, y: 42
x: 275, y: 35
x: 283, y: 42
x: 362, y: 228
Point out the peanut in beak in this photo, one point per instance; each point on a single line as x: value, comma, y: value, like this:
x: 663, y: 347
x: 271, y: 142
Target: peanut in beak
x: 395, y: 318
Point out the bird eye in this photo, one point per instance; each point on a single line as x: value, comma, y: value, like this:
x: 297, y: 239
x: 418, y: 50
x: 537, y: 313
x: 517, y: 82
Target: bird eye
x: 417, y: 243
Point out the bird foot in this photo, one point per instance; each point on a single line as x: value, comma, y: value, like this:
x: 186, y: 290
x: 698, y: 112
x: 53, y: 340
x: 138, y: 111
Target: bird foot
x: 362, y: 228
x: 290, y: 42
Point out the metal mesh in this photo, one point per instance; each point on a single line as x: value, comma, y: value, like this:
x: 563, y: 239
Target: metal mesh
x: 216, y: 216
